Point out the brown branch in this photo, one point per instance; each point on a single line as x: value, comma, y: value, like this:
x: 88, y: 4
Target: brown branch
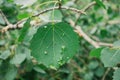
x: 112, y: 22
x: 62, y: 7
x: 89, y: 6
x: 19, y: 24
x: 81, y: 33
x: 105, y: 44
x: 78, y: 29
x: 96, y: 44
x: 105, y: 74
x: 85, y: 9
x: 86, y: 37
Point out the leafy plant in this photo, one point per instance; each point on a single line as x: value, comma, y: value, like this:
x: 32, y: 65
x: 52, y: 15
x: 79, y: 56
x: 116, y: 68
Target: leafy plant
x: 59, y: 40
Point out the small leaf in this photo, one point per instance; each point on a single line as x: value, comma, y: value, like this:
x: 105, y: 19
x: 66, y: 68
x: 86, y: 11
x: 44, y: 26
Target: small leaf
x: 24, y: 31
x: 23, y: 15
x: 20, y: 55
x: 116, y: 75
x: 110, y: 57
x: 96, y: 52
x: 2, y: 20
x: 5, y: 55
x: 93, y: 65
x: 18, y: 59
x: 100, y: 71
x: 57, y: 15
x: 54, y: 44
x: 2, y: 42
x: 116, y: 44
x: 38, y: 69
x: 89, y: 76
x: 11, y: 73
x: 100, y: 3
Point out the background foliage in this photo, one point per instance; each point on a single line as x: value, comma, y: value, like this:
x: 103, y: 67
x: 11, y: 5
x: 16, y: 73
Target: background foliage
x: 102, y: 23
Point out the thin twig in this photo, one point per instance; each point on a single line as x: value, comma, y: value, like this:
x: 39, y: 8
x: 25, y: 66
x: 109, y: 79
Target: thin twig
x: 81, y: 33
x: 105, y: 74
x: 105, y: 44
x: 91, y: 41
x: 20, y: 23
x: 112, y: 22
x: 85, y: 9
x: 86, y: 37
x: 4, y: 17
x: 62, y: 7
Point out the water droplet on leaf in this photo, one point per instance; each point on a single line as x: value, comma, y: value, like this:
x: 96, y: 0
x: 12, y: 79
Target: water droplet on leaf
x: 61, y: 58
x: 53, y: 67
x: 63, y: 47
x: 68, y: 57
x: 45, y: 52
x: 60, y: 62
x: 63, y: 34
x: 45, y: 26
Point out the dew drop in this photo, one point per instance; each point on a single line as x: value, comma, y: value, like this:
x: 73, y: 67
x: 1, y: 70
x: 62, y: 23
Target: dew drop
x: 63, y: 47
x: 60, y: 62
x: 53, y: 67
x: 45, y: 26
x: 45, y: 52
x: 63, y: 34
x: 60, y: 58
x: 68, y: 57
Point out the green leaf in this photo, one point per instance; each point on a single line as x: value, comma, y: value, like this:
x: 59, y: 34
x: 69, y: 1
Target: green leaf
x: 2, y: 20
x: 11, y: 73
x: 23, y: 15
x: 54, y: 44
x: 18, y: 59
x: 93, y: 65
x: 5, y: 55
x: 100, y: 3
x: 57, y: 15
x: 38, y: 69
x: 89, y: 76
x: 2, y: 42
x: 1, y: 1
x: 96, y: 52
x: 116, y: 75
x: 20, y: 55
x: 100, y: 71
x: 110, y: 57
x: 24, y: 31
x: 116, y: 44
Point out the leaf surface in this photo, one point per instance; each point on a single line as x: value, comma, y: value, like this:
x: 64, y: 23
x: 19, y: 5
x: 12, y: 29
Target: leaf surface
x: 116, y: 75
x: 24, y: 30
x: 54, y: 44
x: 100, y: 3
x: 110, y: 57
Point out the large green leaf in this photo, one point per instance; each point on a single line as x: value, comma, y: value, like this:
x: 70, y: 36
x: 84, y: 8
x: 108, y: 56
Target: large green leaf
x: 116, y: 75
x: 54, y: 44
x: 110, y: 57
